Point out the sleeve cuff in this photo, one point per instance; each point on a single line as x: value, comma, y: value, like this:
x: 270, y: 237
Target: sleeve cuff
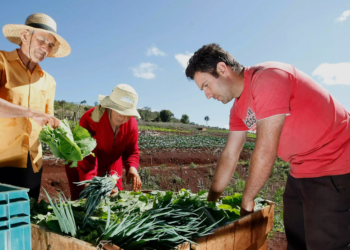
x: 279, y: 111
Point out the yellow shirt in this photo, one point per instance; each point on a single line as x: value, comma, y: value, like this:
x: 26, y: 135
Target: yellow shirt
x: 35, y: 91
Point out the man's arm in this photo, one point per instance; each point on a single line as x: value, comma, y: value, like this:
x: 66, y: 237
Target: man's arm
x: 9, y: 110
x: 263, y: 158
x: 227, y: 163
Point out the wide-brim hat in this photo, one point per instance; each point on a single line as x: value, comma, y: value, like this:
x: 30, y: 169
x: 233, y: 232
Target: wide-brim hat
x: 39, y: 22
x: 123, y: 100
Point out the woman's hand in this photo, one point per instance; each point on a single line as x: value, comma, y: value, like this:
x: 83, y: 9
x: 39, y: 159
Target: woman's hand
x: 136, y: 180
x: 114, y: 192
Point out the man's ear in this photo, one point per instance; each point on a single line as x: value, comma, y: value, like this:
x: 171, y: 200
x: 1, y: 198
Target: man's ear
x: 25, y: 36
x: 221, y: 68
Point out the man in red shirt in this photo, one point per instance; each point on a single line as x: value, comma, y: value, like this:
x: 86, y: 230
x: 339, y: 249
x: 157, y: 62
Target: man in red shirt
x: 296, y: 119
x: 115, y: 129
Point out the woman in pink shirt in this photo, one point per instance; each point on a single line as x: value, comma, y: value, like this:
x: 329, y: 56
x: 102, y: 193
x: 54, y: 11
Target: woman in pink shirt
x: 114, y: 127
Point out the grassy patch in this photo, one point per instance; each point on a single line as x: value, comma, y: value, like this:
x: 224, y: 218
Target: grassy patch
x: 149, y: 182
x: 251, y: 135
x: 162, y: 129
x: 218, y: 130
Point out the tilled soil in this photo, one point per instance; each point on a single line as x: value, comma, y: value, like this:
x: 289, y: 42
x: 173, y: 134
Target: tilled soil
x: 182, y: 156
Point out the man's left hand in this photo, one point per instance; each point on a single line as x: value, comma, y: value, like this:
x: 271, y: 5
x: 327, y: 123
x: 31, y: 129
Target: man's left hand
x: 136, y: 180
x: 247, y: 207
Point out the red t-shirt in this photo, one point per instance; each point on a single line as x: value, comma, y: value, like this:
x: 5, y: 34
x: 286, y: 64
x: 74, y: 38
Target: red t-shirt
x: 316, y: 133
x: 125, y: 151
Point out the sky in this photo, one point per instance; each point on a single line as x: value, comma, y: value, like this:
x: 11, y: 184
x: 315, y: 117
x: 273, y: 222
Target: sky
x: 147, y: 43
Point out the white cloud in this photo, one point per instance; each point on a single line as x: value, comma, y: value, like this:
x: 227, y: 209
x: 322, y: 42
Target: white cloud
x: 154, y: 51
x: 145, y: 70
x: 331, y: 74
x: 183, y: 58
x: 227, y: 126
x: 343, y: 16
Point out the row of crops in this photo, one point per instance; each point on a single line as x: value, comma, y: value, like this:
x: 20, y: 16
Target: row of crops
x: 180, y: 141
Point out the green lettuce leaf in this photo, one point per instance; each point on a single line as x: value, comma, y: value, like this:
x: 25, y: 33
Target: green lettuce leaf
x: 68, y: 145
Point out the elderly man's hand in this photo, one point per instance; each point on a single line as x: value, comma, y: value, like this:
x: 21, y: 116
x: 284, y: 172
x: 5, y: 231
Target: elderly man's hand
x: 136, y: 180
x: 45, y: 119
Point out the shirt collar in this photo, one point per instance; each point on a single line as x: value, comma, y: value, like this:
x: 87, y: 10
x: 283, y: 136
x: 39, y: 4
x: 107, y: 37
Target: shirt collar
x: 13, y: 56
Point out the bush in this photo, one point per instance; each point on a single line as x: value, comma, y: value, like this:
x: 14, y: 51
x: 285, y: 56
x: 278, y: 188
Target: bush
x: 185, y: 119
x: 165, y: 115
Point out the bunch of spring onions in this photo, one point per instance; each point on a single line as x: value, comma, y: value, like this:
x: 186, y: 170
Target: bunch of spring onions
x: 97, y: 189
x: 160, y: 228
x: 64, y: 214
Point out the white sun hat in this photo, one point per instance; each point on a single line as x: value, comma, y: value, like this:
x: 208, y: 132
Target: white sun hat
x: 40, y: 22
x: 123, y: 100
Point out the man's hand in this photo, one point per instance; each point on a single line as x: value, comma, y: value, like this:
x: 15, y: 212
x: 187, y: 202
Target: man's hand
x: 136, y: 180
x: 247, y: 207
x: 9, y: 110
x: 45, y: 119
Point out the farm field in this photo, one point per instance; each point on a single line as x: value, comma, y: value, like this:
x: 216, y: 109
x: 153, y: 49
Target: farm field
x: 171, y: 160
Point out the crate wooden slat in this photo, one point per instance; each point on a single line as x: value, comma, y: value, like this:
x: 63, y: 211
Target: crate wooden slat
x: 249, y: 232
x: 43, y: 239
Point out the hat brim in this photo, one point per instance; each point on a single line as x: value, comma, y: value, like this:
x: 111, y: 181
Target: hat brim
x: 13, y: 33
x: 106, y: 102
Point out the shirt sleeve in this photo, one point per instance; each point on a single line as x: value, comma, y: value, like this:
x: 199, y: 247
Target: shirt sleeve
x: 236, y: 123
x: 87, y: 168
x: 271, y: 90
x: 49, y: 109
x: 131, y: 152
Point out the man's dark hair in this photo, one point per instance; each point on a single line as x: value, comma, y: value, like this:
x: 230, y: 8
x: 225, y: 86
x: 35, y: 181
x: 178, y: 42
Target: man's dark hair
x: 206, y: 59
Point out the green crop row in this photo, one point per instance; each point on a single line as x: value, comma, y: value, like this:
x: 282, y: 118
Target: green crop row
x: 178, y: 141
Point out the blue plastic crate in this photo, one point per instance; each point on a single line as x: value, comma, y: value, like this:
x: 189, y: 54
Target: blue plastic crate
x: 15, y: 231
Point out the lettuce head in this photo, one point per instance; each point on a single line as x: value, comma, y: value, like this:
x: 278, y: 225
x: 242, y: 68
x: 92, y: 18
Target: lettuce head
x: 71, y: 146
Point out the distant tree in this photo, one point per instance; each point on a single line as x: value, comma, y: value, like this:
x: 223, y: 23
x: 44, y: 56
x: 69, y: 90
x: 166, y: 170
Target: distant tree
x: 96, y: 103
x: 141, y: 114
x: 147, y: 113
x: 206, y: 119
x: 81, y: 103
x: 62, y: 103
x: 185, y: 119
x: 165, y: 115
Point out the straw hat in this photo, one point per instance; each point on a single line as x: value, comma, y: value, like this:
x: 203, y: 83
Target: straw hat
x: 40, y: 22
x: 123, y: 100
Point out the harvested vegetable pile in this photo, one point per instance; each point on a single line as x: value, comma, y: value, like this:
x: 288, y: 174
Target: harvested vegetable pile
x: 71, y: 146
x: 135, y: 220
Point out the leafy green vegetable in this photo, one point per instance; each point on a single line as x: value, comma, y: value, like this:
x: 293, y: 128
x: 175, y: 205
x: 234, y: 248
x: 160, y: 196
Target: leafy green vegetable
x: 71, y: 146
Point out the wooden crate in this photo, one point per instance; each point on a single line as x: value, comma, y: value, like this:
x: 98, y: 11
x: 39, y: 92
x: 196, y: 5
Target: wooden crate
x: 248, y: 233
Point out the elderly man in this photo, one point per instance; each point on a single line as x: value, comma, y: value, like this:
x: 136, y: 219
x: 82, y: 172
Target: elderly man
x: 27, y: 99
x: 296, y: 119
